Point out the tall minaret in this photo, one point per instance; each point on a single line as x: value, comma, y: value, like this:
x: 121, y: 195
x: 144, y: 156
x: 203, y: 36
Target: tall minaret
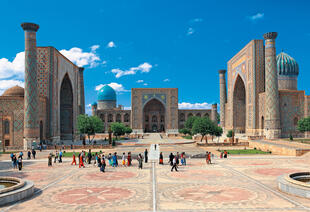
x: 272, y: 113
x: 223, y: 97
x: 31, y: 105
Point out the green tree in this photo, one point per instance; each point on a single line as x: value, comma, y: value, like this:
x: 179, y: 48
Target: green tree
x: 185, y: 131
x: 304, y: 125
x: 203, y: 126
x: 89, y: 125
x: 218, y: 131
x: 190, y: 121
x: 229, y: 133
x: 118, y: 129
x: 128, y: 130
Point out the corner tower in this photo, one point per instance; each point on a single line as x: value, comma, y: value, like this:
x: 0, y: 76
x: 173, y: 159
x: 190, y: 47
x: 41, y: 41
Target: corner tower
x: 31, y: 105
x: 272, y: 113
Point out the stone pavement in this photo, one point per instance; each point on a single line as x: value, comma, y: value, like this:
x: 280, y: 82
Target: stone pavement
x: 233, y: 184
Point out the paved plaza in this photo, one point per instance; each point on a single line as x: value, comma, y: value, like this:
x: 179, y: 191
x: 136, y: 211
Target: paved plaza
x: 239, y: 183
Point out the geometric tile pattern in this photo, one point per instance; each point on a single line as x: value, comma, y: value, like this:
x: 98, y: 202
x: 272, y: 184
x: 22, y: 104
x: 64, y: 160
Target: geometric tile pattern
x: 31, y: 94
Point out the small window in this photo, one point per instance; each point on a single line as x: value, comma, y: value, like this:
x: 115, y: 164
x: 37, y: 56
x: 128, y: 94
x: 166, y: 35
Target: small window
x: 6, y: 127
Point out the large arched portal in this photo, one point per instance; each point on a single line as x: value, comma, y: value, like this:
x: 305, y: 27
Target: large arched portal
x: 154, y: 116
x: 239, y: 105
x: 66, y: 109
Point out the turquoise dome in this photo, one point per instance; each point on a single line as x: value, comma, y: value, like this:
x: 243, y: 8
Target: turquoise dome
x: 286, y: 65
x: 106, y: 93
x: 94, y: 104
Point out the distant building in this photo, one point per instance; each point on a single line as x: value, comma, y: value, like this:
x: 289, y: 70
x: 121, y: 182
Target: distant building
x: 152, y: 110
x: 262, y: 97
x: 53, y: 97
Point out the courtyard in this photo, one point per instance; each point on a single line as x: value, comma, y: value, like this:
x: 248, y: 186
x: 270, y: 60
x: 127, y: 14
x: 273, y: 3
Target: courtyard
x: 238, y: 183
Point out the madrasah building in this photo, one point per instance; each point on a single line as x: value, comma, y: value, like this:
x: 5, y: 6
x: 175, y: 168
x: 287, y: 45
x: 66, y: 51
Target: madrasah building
x: 152, y: 110
x: 260, y: 98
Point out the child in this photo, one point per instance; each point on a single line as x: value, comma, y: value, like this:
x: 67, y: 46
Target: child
x: 124, y: 159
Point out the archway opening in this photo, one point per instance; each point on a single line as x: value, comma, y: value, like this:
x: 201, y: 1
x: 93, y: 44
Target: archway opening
x: 239, y: 106
x: 66, y: 109
x: 154, y: 112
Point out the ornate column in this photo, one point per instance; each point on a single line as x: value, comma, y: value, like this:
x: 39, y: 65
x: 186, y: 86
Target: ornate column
x: 31, y: 104
x: 223, y: 97
x: 214, y: 113
x: 272, y: 113
x: 81, y: 91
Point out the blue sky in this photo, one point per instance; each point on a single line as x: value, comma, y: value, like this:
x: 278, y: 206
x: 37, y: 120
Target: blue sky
x: 157, y: 43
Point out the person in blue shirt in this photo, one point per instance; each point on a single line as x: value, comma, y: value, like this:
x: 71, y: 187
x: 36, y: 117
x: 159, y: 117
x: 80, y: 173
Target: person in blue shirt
x: 114, y: 158
x: 60, y: 156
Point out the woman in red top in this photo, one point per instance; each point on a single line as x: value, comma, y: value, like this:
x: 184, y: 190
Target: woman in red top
x: 73, y: 159
x: 81, y: 161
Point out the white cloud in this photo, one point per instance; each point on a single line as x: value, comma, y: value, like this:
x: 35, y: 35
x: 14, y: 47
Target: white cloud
x: 166, y: 80
x: 80, y: 58
x: 190, y: 31
x: 116, y: 86
x: 5, y: 84
x: 145, y: 84
x: 186, y: 105
x: 195, y: 20
x: 104, y: 62
x: 143, y: 68
x: 139, y: 81
x: 111, y: 44
x: 127, y: 108
x: 15, y: 69
x: 257, y: 16
x: 94, y: 47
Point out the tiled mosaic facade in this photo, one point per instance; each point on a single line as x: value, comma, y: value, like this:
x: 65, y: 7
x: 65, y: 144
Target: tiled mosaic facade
x: 252, y: 75
x: 153, y: 109
x: 45, y: 70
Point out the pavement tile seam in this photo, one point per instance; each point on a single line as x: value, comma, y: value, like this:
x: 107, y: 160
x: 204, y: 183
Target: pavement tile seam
x: 267, y: 188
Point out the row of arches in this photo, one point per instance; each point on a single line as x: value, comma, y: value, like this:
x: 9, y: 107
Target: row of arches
x: 118, y: 117
x: 183, y: 118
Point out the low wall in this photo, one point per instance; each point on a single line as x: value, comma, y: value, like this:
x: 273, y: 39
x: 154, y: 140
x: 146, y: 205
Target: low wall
x: 97, y: 146
x: 278, y: 149
x: 246, y: 144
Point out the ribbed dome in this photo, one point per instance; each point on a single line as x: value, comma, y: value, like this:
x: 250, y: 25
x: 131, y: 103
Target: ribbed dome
x: 14, y: 91
x: 106, y: 93
x: 94, y: 104
x: 286, y: 65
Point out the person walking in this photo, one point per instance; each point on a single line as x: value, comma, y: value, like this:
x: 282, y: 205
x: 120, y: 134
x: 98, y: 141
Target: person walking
x: 14, y: 161
x: 140, y: 160
x: 21, y: 154
x: 174, y: 162
x: 209, y: 157
x: 124, y: 159
x: 29, y: 155
x: 56, y: 156
x: 110, y: 159
x: 114, y: 159
x: 146, y: 155
x: 60, y: 156
x: 102, y: 164
x: 96, y: 158
x: 89, y: 156
x: 225, y: 154
x: 161, y: 158
x: 171, y: 156
x: 177, y: 158
x: 34, y: 153
x: 49, y: 159
x: 184, y: 159
x: 20, y: 162
x: 129, y: 159
x: 81, y: 161
x: 155, y: 146
x: 73, y: 159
